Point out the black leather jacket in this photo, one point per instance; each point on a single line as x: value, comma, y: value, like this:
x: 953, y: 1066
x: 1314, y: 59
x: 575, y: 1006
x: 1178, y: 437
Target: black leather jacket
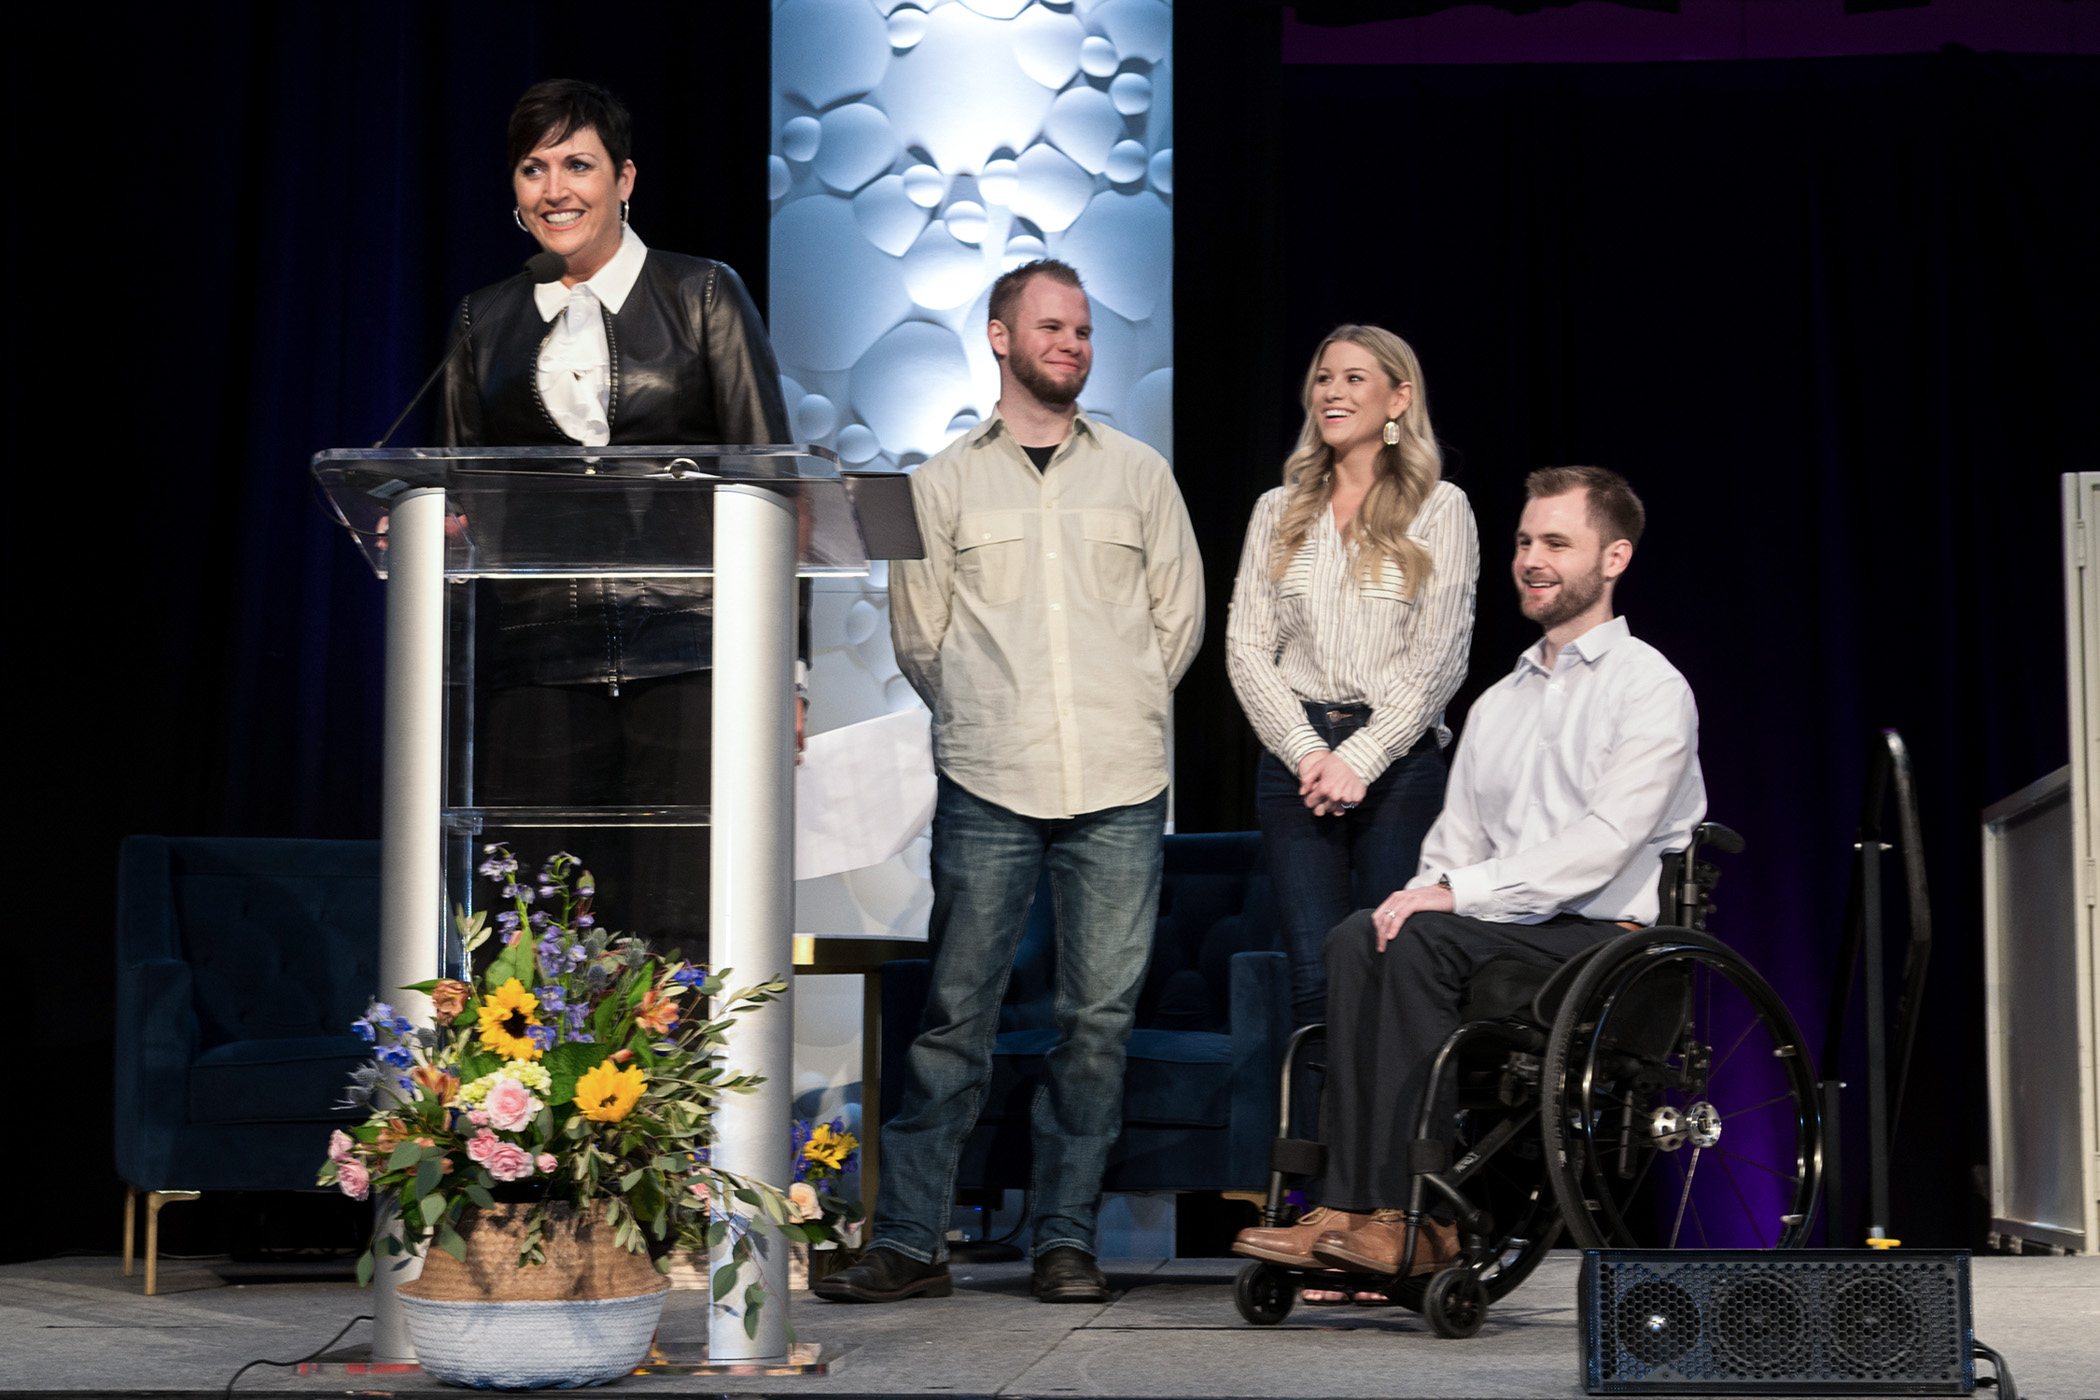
x: 690, y: 364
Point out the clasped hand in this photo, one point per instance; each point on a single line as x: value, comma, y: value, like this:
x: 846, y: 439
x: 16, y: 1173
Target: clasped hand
x: 1328, y: 785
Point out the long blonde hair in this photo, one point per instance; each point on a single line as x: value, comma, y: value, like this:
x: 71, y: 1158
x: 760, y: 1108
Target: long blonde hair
x: 1406, y: 472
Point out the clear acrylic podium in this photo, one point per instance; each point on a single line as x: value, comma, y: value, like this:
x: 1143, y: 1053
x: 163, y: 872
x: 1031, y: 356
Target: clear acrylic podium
x: 430, y: 521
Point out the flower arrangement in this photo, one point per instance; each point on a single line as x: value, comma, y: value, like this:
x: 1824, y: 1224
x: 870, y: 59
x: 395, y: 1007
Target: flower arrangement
x: 824, y: 1154
x: 579, y: 1067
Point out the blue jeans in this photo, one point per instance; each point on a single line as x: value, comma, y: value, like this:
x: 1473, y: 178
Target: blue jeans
x: 1327, y: 868
x: 1104, y: 887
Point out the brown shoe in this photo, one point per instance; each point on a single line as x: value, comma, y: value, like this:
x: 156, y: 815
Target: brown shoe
x: 1373, y: 1245
x: 1292, y: 1244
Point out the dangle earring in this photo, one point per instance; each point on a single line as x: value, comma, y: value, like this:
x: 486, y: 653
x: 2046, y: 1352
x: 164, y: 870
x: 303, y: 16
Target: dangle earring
x: 623, y: 213
x: 518, y: 218
x: 1392, y: 432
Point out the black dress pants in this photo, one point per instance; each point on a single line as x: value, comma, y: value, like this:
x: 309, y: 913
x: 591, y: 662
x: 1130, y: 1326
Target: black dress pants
x: 582, y: 745
x: 1389, y: 1013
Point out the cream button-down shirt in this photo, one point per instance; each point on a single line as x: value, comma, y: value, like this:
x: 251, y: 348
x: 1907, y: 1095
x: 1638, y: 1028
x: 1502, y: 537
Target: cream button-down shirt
x: 1051, y: 617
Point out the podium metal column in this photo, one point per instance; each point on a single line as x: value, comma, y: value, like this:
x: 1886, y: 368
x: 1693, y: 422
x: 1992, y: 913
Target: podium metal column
x: 752, y: 898
x: 411, y: 897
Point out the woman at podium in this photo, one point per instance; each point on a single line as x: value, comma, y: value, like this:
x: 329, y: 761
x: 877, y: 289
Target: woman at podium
x: 597, y: 692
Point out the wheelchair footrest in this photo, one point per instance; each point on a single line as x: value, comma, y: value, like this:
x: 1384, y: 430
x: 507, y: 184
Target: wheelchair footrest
x: 1298, y: 1156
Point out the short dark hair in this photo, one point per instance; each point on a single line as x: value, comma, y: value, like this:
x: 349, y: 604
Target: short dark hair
x: 1614, y: 511
x: 1007, y: 290
x: 553, y: 111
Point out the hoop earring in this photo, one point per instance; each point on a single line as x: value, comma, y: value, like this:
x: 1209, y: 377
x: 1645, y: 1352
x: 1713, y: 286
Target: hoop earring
x: 518, y: 219
x: 623, y: 213
x: 1392, y: 432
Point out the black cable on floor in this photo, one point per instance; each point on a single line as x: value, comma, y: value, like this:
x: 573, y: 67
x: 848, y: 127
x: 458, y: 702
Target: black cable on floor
x: 2003, y: 1380
x: 316, y: 1354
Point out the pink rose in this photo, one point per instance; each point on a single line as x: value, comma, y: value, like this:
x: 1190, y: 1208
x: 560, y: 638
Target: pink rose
x: 477, y: 1118
x: 481, y: 1145
x: 508, y: 1162
x: 355, y: 1181
x: 547, y: 1163
x: 510, y: 1106
x: 340, y: 1146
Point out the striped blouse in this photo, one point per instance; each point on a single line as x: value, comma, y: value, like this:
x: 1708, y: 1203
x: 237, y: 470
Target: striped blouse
x: 1319, y: 633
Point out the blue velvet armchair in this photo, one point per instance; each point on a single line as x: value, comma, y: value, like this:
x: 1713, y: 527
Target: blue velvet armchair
x: 240, y: 965
x: 1200, y: 1093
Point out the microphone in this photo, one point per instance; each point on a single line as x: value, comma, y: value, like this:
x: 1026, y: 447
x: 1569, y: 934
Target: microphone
x: 542, y: 267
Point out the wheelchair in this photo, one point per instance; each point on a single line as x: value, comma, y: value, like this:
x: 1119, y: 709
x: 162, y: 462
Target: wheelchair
x: 1652, y: 1092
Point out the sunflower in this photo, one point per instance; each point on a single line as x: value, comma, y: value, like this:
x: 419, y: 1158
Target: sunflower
x: 829, y: 1147
x: 507, y: 1020
x: 606, y: 1094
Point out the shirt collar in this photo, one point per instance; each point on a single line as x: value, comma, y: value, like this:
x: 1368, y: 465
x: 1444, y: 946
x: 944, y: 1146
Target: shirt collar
x: 995, y: 424
x: 1588, y: 647
x: 610, y: 285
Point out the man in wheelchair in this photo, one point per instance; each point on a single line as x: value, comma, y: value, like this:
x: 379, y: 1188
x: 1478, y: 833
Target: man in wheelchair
x: 1576, y: 774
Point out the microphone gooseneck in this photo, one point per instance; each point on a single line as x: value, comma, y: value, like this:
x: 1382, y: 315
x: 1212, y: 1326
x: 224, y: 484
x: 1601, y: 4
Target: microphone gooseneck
x: 541, y: 267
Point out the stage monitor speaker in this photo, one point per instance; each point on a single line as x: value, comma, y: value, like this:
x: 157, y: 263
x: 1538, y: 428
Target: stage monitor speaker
x: 1786, y: 1322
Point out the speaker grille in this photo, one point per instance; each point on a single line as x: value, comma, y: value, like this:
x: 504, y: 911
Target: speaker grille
x: 1828, y: 1322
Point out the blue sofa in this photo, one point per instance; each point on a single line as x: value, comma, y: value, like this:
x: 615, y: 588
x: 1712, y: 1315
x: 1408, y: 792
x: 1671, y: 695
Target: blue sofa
x: 240, y: 965
x: 1200, y: 1094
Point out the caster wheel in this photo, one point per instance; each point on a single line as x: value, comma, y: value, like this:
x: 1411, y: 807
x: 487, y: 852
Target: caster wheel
x: 1263, y: 1295
x: 1455, y: 1303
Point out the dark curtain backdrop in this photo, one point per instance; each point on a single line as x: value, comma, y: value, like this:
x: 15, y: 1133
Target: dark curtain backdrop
x: 257, y: 220
x: 1833, y: 318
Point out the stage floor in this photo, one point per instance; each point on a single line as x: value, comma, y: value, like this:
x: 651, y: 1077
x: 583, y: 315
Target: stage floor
x: 77, y: 1328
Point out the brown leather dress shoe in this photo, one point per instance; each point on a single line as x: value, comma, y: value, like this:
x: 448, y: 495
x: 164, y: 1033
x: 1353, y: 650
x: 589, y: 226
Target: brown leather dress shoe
x: 1373, y: 1245
x: 1292, y: 1244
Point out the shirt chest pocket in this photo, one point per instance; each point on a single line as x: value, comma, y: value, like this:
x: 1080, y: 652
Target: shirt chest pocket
x: 988, y: 555
x: 1115, y: 557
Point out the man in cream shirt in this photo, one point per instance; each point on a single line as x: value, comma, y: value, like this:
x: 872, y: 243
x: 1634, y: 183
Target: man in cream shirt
x: 1060, y: 600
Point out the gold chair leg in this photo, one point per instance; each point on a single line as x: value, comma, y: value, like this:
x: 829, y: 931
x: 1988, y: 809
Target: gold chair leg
x: 131, y: 1213
x: 154, y: 1201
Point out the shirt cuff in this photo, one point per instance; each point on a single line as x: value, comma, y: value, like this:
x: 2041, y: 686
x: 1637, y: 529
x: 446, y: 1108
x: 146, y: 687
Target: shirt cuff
x: 1472, y: 889
x: 1299, y: 742
x: 1365, y: 756
x: 801, y: 678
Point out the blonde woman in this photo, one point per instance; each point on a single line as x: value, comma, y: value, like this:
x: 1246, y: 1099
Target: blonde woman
x: 1351, y: 619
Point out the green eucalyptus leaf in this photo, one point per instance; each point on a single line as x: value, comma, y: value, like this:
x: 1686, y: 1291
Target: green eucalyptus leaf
x: 724, y: 1280
x: 404, y: 1156
x: 449, y: 1240
x: 428, y: 1174
x: 364, y: 1268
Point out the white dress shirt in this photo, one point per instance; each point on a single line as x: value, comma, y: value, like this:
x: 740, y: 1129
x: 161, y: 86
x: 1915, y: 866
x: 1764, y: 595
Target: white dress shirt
x: 1051, y: 617
x: 575, y: 367
x: 1320, y: 633
x: 1570, y: 784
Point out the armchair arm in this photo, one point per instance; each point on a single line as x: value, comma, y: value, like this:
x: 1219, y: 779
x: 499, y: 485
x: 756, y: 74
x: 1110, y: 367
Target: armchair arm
x: 1261, y: 1027
x: 155, y: 1042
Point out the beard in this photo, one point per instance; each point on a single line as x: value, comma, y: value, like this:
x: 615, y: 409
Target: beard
x: 1051, y: 391
x: 1576, y: 595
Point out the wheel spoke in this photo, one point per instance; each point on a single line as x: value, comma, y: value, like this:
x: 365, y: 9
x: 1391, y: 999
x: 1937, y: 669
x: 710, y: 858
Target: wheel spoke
x: 1715, y: 1067
x: 1734, y: 1113
x: 1744, y: 1201
x: 1753, y: 1162
x: 1685, y: 1198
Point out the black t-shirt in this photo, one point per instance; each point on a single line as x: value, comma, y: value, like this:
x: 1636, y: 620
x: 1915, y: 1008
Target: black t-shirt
x: 1041, y: 455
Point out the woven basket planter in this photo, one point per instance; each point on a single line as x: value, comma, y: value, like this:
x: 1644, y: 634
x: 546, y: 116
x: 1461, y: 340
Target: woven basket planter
x: 585, y: 1317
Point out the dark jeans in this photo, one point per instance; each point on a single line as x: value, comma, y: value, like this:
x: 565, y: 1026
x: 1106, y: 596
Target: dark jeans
x: 1389, y: 1013
x: 582, y: 745
x: 1324, y: 867
x: 1104, y: 883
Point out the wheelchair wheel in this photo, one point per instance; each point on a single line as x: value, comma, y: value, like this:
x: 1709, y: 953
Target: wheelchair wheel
x: 1263, y: 1295
x: 1455, y: 1303
x: 1681, y: 1106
